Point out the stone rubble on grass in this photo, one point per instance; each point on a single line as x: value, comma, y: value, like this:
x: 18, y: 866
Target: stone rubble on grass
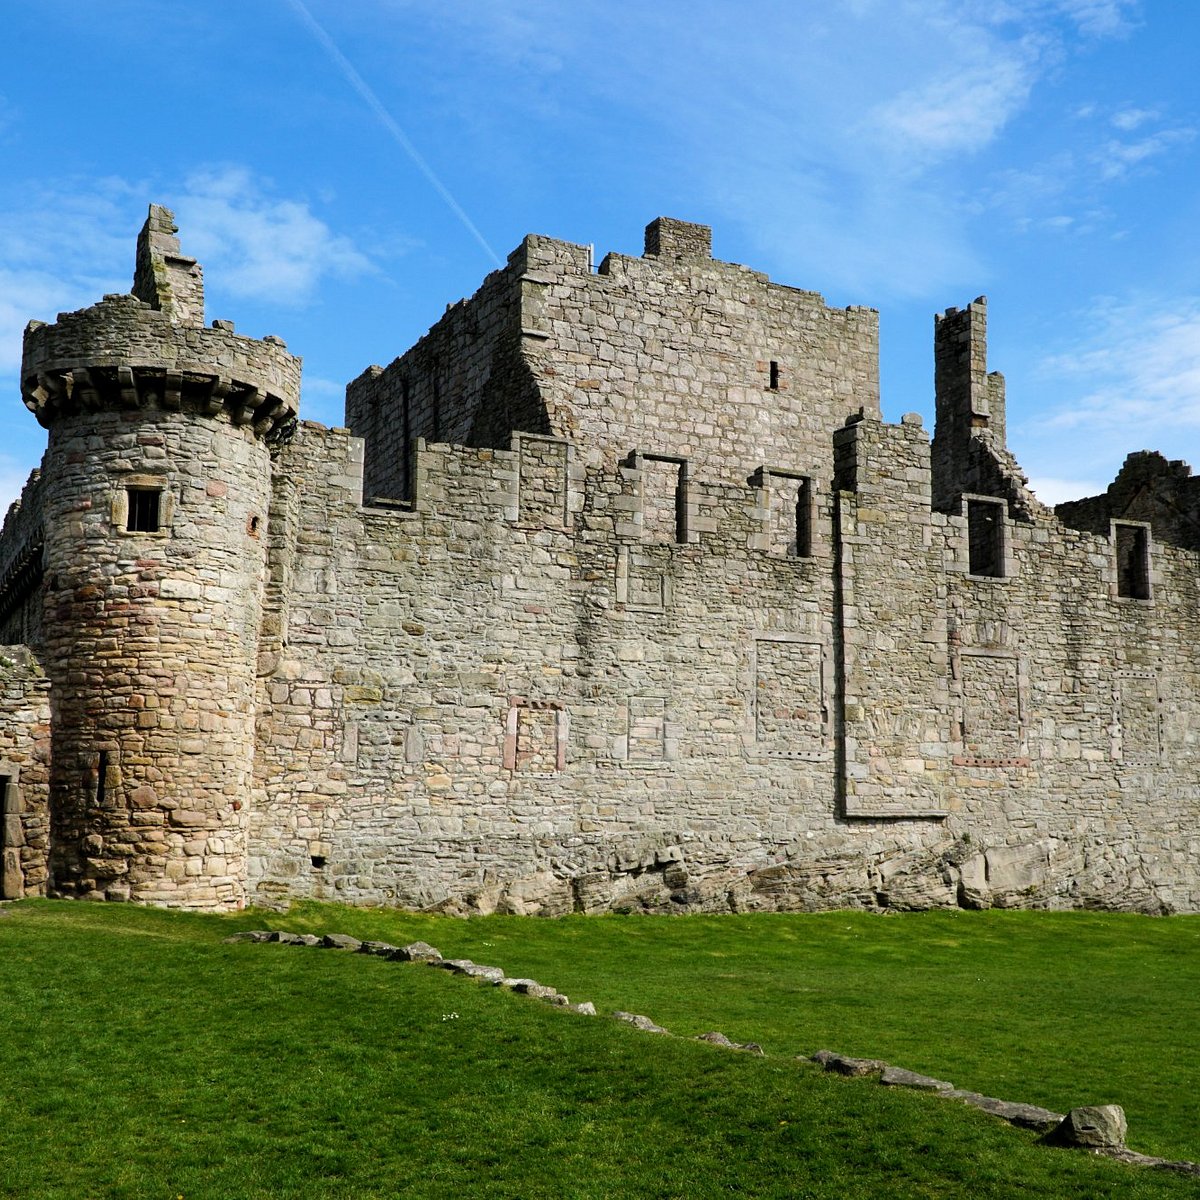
x: 340, y: 941
x: 417, y: 952
x: 1099, y: 1128
x: 899, y: 1077
x: 719, y: 1039
x: 1092, y: 1127
x: 639, y: 1022
x: 1027, y: 1116
x: 379, y: 949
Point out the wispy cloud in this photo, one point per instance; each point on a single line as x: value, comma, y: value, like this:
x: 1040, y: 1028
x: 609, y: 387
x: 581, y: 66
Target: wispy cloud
x: 1116, y: 159
x: 1129, y: 119
x: 1140, y: 369
x: 1101, y: 18
x: 263, y: 247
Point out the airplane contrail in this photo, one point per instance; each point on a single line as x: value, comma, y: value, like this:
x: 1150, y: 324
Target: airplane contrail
x: 360, y: 85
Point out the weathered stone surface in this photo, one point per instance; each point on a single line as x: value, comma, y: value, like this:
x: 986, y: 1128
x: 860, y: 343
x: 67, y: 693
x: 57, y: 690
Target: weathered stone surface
x: 900, y: 1077
x: 1028, y: 1116
x: 620, y: 596
x: 842, y: 1064
x: 379, y: 949
x: 299, y: 939
x: 530, y: 987
x: 340, y: 941
x: 1093, y: 1127
x: 584, y: 1008
x: 639, y: 1022
x: 417, y: 952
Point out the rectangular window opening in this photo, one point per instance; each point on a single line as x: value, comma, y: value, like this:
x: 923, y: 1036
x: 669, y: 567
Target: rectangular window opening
x: 985, y: 538
x: 774, y: 384
x: 802, y: 548
x: 143, y: 510
x: 1133, y: 562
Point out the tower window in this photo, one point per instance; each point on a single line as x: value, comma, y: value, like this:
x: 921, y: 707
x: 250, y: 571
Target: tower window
x: 143, y: 512
x: 1133, y: 561
x: 985, y: 538
x: 774, y: 384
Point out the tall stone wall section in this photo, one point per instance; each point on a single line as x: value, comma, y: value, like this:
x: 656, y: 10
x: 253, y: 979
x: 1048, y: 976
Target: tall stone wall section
x: 505, y: 702
x: 24, y: 774
x: 672, y: 353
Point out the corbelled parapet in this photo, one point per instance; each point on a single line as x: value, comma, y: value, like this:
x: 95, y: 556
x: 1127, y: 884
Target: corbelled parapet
x: 150, y: 350
x: 123, y: 354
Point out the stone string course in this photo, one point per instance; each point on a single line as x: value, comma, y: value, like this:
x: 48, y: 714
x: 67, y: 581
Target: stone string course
x: 616, y: 593
x: 1100, y: 1129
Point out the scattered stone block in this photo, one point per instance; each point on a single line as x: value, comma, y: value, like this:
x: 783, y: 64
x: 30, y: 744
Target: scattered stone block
x: 843, y: 1064
x: 379, y: 949
x: 1092, y: 1127
x: 584, y: 1008
x: 416, y: 952
x: 899, y: 1077
x: 249, y: 935
x: 340, y: 941
x: 1027, y: 1116
x: 639, y: 1022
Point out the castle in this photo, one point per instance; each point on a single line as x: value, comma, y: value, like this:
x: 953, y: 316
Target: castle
x: 616, y: 593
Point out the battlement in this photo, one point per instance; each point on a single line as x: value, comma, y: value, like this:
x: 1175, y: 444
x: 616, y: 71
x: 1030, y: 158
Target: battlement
x: 150, y: 350
x: 616, y: 592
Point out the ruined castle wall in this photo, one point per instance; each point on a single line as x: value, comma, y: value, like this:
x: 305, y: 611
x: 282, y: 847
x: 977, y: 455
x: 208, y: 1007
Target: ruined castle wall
x: 532, y: 704
x: 519, y: 695
x: 22, y: 542
x: 24, y: 775
x: 1047, y: 716
x: 463, y: 382
x: 694, y: 357
x: 682, y: 356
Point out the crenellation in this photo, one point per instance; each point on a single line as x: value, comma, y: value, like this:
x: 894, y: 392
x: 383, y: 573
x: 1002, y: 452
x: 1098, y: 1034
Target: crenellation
x: 616, y: 592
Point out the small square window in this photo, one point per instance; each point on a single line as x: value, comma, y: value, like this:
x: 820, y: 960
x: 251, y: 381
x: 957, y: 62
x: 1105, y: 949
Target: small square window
x: 143, y: 511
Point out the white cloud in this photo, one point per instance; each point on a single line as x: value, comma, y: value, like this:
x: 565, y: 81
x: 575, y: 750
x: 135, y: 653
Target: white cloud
x: 1054, y: 491
x: 1139, y: 371
x: 262, y: 247
x: 1129, y: 119
x: 962, y: 110
x: 1101, y: 18
x: 1116, y: 159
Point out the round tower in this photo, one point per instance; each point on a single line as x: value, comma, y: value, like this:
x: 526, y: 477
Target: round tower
x: 157, y: 487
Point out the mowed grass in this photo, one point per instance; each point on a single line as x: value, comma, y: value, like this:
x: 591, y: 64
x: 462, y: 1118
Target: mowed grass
x: 142, y: 1057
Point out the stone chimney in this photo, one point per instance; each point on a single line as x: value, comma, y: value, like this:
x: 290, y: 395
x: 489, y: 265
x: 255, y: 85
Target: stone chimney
x: 165, y: 279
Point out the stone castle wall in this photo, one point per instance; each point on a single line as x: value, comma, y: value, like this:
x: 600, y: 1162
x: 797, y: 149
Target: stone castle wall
x: 623, y: 597
x: 505, y: 701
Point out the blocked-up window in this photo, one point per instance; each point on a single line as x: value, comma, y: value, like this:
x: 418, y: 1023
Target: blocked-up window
x: 1132, y: 544
x: 985, y: 538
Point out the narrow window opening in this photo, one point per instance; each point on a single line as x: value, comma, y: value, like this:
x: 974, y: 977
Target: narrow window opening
x: 803, y: 545
x: 318, y: 861
x: 406, y: 435
x: 774, y: 384
x: 101, y: 778
x: 252, y: 526
x: 5, y: 800
x: 143, y: 510
x: 985, y: 534
x: 1133, y: 562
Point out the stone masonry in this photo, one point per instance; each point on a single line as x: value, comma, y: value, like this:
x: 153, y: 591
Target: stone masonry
x: 616, y: 593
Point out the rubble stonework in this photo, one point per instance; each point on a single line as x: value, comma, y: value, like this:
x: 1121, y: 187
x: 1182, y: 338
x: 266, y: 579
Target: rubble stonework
x: 617, y: 592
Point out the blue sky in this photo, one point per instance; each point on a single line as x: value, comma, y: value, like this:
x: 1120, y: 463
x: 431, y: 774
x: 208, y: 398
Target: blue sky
x: 344, y: 169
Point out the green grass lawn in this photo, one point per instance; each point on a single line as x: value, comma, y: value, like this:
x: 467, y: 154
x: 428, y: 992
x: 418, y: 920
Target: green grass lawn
x: 142, y: 1057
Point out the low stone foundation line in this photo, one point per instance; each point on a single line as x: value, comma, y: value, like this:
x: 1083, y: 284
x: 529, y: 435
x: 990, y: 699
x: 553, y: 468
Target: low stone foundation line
x: 1099, y: 1129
